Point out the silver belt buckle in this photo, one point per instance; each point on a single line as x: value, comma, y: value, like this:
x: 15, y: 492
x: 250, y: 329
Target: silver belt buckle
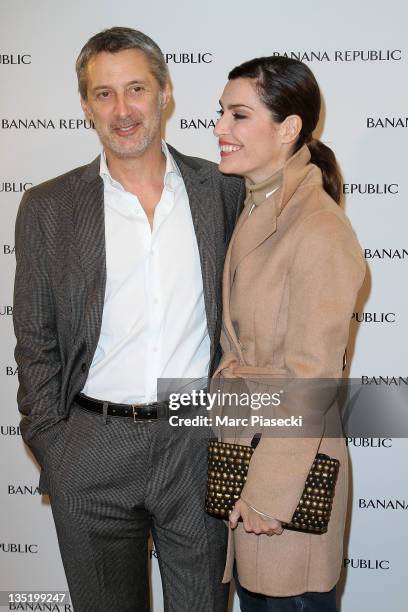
x: 134, y: 408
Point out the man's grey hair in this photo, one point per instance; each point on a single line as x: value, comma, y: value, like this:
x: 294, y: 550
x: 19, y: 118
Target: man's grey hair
x: 119, y: 39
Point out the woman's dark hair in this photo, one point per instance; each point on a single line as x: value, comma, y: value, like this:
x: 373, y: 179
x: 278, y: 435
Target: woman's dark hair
x: 288, y: 87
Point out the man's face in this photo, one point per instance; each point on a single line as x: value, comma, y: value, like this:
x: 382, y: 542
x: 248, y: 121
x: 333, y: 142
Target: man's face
x: 124, y: 101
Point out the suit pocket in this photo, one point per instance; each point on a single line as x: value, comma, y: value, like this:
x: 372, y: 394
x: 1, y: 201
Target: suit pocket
x: 55, y: 455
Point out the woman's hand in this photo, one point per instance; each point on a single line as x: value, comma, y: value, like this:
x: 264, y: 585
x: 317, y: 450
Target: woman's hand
x: 253, y: 521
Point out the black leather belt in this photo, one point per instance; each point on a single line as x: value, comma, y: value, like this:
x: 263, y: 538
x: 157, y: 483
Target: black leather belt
x: 139, y: 412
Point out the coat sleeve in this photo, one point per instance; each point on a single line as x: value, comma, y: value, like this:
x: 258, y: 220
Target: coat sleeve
x: 325, y: 274
x: 36, y: 352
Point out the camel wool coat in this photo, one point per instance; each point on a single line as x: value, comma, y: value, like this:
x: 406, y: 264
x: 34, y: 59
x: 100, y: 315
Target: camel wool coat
x: 292, y: 273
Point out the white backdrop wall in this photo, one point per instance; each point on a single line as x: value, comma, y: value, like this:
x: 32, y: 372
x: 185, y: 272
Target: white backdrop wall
x: 358, y: 52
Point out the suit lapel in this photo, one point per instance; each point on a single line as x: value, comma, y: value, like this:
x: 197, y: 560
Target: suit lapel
x: 203, y: 211
x: 89, y: 223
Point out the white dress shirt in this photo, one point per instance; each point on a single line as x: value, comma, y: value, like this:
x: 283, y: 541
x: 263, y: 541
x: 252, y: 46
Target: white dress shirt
x: 154, y: 322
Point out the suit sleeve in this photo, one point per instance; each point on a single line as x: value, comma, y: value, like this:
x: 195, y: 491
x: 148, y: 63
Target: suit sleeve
x: 240, y: 201
x: 234, y: 197
x: 36, y: 352
x: 325, y: 275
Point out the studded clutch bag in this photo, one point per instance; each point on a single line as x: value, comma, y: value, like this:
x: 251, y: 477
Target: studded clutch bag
x: 227, y: 471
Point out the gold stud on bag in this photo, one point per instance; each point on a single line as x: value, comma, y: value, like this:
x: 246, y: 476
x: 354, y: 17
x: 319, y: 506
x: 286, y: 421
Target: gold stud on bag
x: 227, y: 471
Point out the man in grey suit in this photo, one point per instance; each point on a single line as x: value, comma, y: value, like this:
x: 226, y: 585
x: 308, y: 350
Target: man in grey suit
x: 118, y: 283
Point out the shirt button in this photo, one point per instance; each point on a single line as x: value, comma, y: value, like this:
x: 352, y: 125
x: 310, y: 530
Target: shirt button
x: 84, y: 367
x: 155, y: 300
x: 155, y: 349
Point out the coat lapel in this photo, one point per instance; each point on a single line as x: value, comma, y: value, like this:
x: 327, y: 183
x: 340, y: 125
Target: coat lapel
x: 252, y: 231
x: 249, y: 233
x: 262, y: 223
x: 207, y: 228
x: 89, y: 223
x: 226, y: 294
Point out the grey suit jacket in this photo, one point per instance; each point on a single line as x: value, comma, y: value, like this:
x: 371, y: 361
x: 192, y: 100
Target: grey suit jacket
x: 61, y: 275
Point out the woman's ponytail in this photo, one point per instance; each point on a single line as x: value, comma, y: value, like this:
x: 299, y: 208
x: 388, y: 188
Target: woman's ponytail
x: 324, y: 158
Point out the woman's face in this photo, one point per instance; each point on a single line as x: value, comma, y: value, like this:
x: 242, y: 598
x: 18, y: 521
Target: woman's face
x: 251, y: 143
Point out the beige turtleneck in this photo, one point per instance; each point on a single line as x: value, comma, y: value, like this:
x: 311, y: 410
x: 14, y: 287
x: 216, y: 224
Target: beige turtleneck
x: 257, y: 193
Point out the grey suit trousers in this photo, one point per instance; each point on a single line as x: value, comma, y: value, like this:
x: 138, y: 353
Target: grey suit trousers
x: 111, y: 481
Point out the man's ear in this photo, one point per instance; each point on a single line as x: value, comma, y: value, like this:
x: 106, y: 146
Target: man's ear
x: 86, y: 109
x: 290, y: 129
x: 165, y: 95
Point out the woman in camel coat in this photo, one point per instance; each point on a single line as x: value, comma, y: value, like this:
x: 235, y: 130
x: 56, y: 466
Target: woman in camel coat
x: 292, y: 273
